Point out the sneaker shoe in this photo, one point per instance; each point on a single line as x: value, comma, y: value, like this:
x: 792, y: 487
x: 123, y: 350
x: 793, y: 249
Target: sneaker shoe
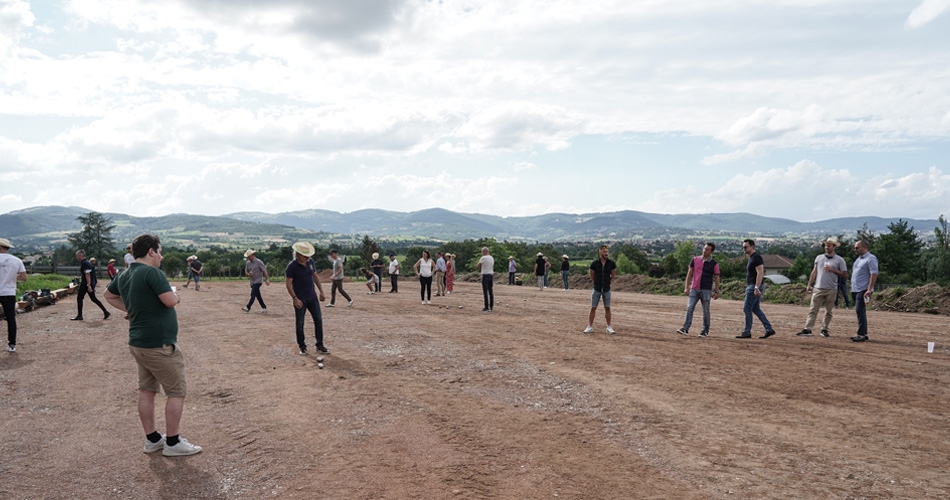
x: 424, y: 303
x: 151, y: 447
x: 768, y: 333
x: 703, y: 334
x: 429, y: 302
x: 824, y: 333
x: 303, y: 352
x: 11, y: 348
x: 182, y: 449
x: 744, y: 335
x: 330, y: 305
x: 589, y: 329
x: 77, y: 318
x: 349, y: 304
x: 245, y: 309
x: 804, y: 333
x: 683, y: 331
x: 263, y: 310
x: 610, y: 329
x: 860, y: 338
x: 107, y: 314
x: 323, y: 349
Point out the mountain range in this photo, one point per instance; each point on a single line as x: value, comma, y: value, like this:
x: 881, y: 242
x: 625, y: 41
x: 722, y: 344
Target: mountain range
x: 48, y: 226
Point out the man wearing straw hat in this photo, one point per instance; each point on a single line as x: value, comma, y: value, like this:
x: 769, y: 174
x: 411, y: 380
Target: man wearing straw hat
x: 194, y: 269
x: 301, y: 277
x: 257, y: 271
x: 824, y: 274
x: 377, y: 265
x: 11, y: 271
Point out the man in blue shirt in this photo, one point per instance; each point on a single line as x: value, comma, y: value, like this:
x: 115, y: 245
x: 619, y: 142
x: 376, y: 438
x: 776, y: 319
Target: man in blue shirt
x: 863, y: 276
x: 301, y: 275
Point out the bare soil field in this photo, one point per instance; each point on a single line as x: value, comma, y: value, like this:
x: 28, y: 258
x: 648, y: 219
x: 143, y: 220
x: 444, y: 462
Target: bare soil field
x: 443, y: 401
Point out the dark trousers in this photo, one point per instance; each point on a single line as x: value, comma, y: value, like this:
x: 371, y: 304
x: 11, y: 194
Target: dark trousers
x: 92, y: 296
x: 488, y: 290
x: 256, y: 294
x: 379, y: 278
x: 842, y: 291
x: 394, y: 283
x: 861, y: 310
x: 312, y: 305
x: 9, y: 313
x: 337, y: 285
x: 511, y: 278
x: 426, y: 282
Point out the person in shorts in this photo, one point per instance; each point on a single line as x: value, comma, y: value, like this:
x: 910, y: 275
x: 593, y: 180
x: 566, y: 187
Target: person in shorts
x: 602, y: 272
x: 144, y: 293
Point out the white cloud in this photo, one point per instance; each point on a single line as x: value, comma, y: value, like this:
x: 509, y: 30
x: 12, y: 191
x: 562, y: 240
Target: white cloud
x: 927, y: 12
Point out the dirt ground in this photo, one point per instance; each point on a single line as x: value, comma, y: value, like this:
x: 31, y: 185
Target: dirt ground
x: 443, y: 401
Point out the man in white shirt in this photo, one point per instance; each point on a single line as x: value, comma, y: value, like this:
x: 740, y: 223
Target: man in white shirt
x: 11, y: 271
x: 486, y: 265
x: 393, y: 273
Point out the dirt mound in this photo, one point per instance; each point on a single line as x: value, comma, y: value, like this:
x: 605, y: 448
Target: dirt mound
x: 930, y: 298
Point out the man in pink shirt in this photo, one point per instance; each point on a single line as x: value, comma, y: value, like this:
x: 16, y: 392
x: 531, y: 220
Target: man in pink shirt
x: 702, y: 284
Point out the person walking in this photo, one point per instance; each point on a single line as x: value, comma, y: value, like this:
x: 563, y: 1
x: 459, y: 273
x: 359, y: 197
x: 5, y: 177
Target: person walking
x: 424, y: 268
x: 144, y: 293
x: 539, y: 265
x: 87, y: 285
x: 11, y: 271
x: 755, y: 275
x: 300, y: 279
x: 110, y: 270
x: 602, y: 272
x: 566, y: 271
x: 864, y: 273
x: 337, y: 280
x: 377, y: 265
x: 486, y: 266
x: 191, y: 274
x: 702, y: 285
x: 255, y: 269
x: 828, y: 268
x: 393, y: 273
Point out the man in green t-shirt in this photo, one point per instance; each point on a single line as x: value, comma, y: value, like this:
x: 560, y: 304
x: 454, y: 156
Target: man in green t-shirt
x: 144, y: 293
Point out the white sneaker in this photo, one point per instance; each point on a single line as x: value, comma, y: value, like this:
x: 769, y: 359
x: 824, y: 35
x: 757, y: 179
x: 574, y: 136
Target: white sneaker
x: 589, y: 329
x: 245, y: 309
x: 349, y: 304
x: 423, y: 302
x: 11, y: 348
x: 182, y: 449
x: 330, y: 305
x: 264, y: 310
x: 429, y: 302
x: 151, y: 447
x: 610, y: 329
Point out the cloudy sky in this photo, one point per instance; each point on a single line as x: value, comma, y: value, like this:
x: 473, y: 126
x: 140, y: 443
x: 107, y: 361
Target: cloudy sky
x: 805, y: 109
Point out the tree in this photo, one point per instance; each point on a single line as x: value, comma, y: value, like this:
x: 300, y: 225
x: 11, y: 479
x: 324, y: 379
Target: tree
x: 96, y: 235
x: 368, y: 248
x: 625, y: 265
x: 898, y: 252
x: 867, y: 235
x: 936, y: 261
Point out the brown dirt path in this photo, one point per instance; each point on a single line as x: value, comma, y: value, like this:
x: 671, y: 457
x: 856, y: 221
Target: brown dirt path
x: 443, y: 402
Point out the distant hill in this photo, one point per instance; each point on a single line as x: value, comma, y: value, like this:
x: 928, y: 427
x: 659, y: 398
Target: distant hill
x: 46, y: 226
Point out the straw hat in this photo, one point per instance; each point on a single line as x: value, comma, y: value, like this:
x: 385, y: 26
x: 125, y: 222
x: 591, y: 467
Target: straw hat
x: 5, y: 243
x: 540, y: 254
x: 249, y: 253
x: 375, y: 255
x: 304, y: 248
x: 111, y: 261
x: 193, y: 257
x: 564, y: 256
x: 833, y: 240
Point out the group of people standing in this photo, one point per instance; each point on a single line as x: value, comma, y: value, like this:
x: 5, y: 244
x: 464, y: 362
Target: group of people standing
x: 441, y: 270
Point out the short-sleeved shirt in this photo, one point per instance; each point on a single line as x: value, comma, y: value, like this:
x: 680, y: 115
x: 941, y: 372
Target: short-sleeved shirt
x: 440, y: 264
x: 302, y: 276
x: 257, y: 268
x: 755, y: 260
x: 195, y: 266
x: 488, y: 264
x: 151, y: 323
x: 539, y: 266
x: 10, y: 267
x: 703, y: 272
x: 129, y: 259
x: 602, y: 271
x: 337, y: 268
x: 394, y: 267
x: 87, y: 274
x: 565, y: 265
x: 825, y: 279
x: 377, y: 265
x: 864, y: 266
x: 512, y: 266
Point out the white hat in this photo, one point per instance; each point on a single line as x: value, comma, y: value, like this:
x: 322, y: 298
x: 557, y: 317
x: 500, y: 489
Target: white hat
x: 375, y: 255
x: 249, y: 253
x: 304, y: 248
x: 833, y: 240
x: 564, y: 256
x: 193, y: 257
x: 540, y: 254
x: 5, y: 243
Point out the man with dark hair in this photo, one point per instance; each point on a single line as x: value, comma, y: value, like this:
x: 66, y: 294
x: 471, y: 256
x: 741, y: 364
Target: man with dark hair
x: 393, y: 273
x: 301, y: 277
x: 486, y: 266
x: 863, y: 277
x: 702, y: 285
x: 87, y: 285
x: 602, y: 272
x: 336, y: 280
x: 11, y: 271
x: 143, y: 291
x: 255, y: 269
x: 755, y: 275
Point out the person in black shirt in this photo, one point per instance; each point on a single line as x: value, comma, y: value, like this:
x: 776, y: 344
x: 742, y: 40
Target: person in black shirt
x: 602, y: 271
x: 565, y: 271
x: 755, y: 274
x: 87, y: 285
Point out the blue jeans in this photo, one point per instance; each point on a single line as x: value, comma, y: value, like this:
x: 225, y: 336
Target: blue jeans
x: 312, y: 305
x: 545, y: 279
x: 751, y: 306
x: 695, y: 296
x: 861, y: 309
x: 566, y: 278
x: 256, y: 294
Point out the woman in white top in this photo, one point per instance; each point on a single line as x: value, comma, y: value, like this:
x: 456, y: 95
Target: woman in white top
x: 425, y: 268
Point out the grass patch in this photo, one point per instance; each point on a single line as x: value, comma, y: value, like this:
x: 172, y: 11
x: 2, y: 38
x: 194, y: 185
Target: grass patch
x: 42, y: 281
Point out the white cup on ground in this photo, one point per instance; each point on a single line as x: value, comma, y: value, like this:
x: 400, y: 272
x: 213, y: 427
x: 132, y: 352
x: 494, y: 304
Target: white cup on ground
x: 930, y: 347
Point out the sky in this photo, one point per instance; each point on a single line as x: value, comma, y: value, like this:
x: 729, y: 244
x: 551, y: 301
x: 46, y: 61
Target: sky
x: 804, y: 109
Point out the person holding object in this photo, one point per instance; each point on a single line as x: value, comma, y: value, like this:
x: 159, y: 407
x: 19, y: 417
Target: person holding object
x: 826, y: 272
x: 144, y: 293
x: 301, y: 278
x: 863, y: 277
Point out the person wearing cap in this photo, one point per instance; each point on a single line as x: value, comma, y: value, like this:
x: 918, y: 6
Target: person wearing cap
x: 110, y: 269
x: 11, y: 271
x: 512, y: 269
x: 195, y: 270
x: 566, y: 271
x: 439, y: 274
x: 393, y: 273
x: 87, y: 285
x: 539, y: 265
x: 824, y: 275
x: 301, y: 278
x: 377, y: 265
x: 129, y: 259
x: 337, y: 280
x: 257, y: 271
x: 144, y: 293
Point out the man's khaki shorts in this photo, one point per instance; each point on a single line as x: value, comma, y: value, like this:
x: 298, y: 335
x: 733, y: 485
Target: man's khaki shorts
x: 161, y: 367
